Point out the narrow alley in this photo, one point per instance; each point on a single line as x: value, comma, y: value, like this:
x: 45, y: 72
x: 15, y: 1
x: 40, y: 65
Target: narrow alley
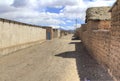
x: 61, y: 59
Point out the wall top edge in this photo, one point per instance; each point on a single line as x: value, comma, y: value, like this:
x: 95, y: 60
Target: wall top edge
x: 17, y: 22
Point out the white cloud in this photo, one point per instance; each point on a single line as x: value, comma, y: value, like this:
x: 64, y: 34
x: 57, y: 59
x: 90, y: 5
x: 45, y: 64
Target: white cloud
x: 78, y: 11
x: 33, y: 11
x: 54, y: 3
x: 6, y: 2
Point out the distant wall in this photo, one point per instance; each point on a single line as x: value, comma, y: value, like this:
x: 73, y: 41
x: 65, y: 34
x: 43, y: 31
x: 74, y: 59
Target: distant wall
x: 63, y: 33
x: 58, y: 33
x: 15, y: 35
x: 55, y: 33
x: 49, y: 33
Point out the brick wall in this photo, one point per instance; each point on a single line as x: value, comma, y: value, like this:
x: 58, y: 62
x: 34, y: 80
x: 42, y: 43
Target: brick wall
x: 104, y: 45
x: 82, y: 28
x: 77, y: 33
x: 99, y: 24
x: 102, y: 39
x: 115, y: 41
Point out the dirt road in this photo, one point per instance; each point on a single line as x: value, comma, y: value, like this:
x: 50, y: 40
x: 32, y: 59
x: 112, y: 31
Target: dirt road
x: 57, y: 60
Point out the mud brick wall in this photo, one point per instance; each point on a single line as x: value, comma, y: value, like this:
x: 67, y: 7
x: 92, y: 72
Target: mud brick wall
x: 99, y: 24
x: 102, y: 40
x: 77, y: 33
x: 115, y: 52
x: 15, y: 35
x: 100, y: 45
x: 115, y: 41
x: 104, y: 46
x: 82, y: 29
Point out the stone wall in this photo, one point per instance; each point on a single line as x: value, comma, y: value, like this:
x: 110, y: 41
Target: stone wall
x: 98, y: 13
x: 15, y: 35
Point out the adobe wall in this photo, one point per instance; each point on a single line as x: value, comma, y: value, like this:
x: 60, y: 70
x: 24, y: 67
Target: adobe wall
x: 104, y: 46
x: 103, y: 42
x: 77, y: 33
x: 15, y: 35
x: 115, y: 52
x: 99, y: 24
x: 115, y: 41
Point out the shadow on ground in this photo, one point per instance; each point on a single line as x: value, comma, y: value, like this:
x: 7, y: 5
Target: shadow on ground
x: 87, y: 67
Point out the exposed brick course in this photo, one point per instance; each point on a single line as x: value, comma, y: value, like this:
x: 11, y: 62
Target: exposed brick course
x: 102, y: 40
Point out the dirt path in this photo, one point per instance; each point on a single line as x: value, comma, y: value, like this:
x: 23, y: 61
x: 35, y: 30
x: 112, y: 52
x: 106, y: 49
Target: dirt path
x: 56, y: 60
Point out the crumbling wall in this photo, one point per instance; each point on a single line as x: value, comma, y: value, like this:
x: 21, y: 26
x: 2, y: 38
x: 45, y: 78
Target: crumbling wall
x: 98, y: 13
x: 104, y: 45
x: 99, y: 24
x: 115, y: 41
x: 15, y: 35
x: 115, y: 52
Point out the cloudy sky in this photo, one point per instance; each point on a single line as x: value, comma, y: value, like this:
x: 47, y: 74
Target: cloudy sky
x: 56, y: 13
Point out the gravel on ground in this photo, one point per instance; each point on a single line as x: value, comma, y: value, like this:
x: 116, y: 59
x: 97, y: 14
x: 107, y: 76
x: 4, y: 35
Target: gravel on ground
x: 61, y: 59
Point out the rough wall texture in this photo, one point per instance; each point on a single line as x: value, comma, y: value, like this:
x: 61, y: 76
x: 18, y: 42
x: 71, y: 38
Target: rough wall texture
x: 104, y: 45
x: 115, y: 41
x: 99, y: 24
x: 98, y: 13
x: 105, y: 48
x: 14, y: 36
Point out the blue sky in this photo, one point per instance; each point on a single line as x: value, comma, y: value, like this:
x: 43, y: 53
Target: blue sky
x: 55, y: 13
x: 54, y: 10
